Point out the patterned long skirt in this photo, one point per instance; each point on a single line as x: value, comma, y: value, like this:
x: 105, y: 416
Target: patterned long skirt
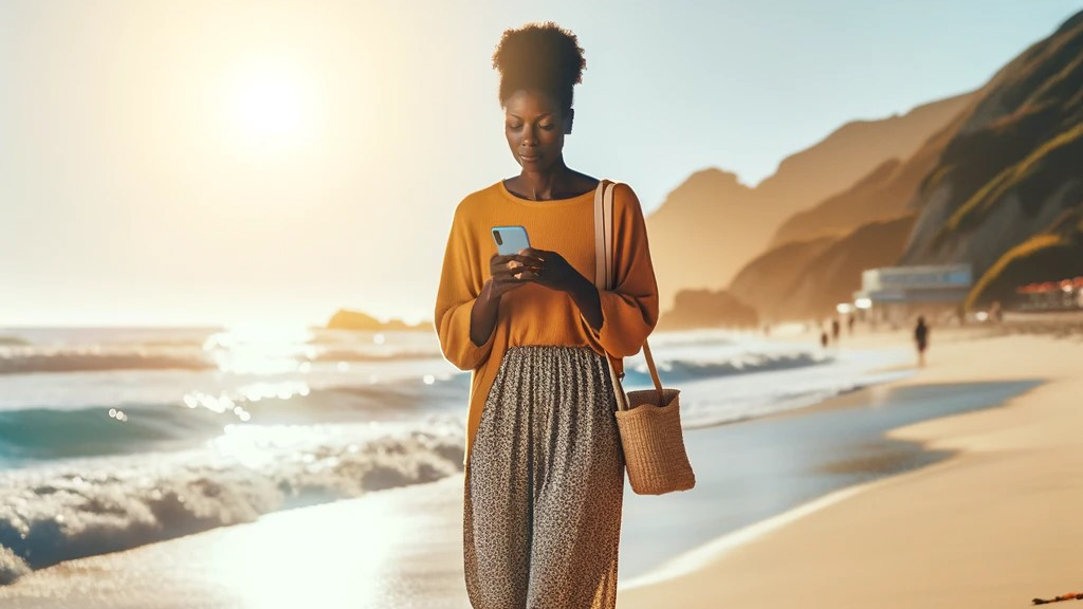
x: 544, y: 485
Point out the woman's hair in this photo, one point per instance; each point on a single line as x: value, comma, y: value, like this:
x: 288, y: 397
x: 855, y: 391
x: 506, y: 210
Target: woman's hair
x: 542, y: 57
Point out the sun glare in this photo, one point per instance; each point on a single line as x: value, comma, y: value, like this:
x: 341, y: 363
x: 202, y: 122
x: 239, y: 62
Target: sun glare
x: 268, y: 104
x: 271, y: 103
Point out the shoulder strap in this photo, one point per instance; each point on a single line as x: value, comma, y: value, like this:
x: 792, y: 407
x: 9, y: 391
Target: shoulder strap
x: 603, y: 234
x: 601, y: 257
x: 604, y: 272
x: 610, y: 269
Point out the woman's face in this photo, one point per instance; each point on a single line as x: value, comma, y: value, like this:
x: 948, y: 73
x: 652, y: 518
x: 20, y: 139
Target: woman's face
x: 535, y: 128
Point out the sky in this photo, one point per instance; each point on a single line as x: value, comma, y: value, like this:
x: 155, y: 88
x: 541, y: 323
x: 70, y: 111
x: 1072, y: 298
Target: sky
x: 267, y: 163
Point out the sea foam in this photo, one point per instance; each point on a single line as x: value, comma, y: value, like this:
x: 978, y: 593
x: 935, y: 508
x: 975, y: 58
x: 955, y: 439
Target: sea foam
x: 84, y: 507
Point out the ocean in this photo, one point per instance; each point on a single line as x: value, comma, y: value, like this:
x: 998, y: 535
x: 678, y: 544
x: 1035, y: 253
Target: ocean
x: 116, y: 437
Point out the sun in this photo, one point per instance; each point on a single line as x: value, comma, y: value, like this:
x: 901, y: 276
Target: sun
x: 270, y: 103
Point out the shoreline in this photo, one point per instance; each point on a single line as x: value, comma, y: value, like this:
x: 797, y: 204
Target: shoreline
x: 887, y: 521
x: 767, y: 469
x: 426, y: 548
x: 695, y: 559
x: 103, y: 580
x: 134, y: 542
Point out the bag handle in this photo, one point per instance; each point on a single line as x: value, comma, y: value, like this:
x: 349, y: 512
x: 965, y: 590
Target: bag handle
x: 603, y: 263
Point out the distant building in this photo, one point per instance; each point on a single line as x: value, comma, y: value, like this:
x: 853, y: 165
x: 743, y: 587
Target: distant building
x: 1063, y: 295
x: 894, y: 293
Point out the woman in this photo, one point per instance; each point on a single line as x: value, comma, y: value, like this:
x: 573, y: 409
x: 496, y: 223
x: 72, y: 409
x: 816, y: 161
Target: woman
x: 544, y: 471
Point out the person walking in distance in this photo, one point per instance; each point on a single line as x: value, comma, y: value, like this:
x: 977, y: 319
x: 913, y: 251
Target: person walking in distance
x: 921, y: 339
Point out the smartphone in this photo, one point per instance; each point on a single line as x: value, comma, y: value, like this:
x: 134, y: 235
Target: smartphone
x: 510, y: 239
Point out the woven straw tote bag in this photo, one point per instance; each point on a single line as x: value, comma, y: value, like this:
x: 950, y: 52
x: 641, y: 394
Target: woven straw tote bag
x: 649, y: 420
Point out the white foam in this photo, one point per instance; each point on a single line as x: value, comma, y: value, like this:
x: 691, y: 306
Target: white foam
x: 11, y: 566
x: 89, y: 506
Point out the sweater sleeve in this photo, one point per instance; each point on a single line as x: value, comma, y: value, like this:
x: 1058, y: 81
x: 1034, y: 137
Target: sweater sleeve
x: 460, y: 285
x: 630, y: 308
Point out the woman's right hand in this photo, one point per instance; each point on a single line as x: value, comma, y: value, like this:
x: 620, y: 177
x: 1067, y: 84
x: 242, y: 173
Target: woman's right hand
x: 504, y: 277
x: 505, y: 273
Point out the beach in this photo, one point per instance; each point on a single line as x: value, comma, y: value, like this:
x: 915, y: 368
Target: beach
x: 967, y: 499
x: 241, y: 363
x: 994, y: 525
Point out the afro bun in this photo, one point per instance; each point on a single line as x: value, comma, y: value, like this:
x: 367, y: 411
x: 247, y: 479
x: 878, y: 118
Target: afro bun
x: 541, y: 57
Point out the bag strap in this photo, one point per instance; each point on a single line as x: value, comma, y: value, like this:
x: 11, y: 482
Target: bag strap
x: 603, y: 264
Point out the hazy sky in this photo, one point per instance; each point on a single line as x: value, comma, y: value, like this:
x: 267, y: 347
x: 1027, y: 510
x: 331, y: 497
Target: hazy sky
x: 269, y: 162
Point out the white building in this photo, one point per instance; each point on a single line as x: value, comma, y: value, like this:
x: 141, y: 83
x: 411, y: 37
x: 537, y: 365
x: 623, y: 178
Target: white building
x: 895, y: 293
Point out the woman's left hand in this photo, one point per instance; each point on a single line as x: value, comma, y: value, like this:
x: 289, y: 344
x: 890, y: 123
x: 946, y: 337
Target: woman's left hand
x: 551, y: 270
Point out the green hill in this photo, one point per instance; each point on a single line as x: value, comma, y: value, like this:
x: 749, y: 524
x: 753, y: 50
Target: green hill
x: 1011, y: 175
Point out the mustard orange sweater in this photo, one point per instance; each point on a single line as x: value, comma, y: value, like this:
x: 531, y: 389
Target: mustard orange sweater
x: 534, y: 314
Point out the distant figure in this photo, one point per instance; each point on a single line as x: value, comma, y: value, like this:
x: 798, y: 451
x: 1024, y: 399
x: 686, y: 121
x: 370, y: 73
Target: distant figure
x: 921, y: 337
x: 995, y: 312
x: 835, y: 329
x: 850, y: 324
x: 823, y: 339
